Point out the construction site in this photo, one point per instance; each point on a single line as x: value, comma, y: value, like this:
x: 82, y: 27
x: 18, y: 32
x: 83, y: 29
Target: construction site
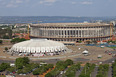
x: 72, y: 32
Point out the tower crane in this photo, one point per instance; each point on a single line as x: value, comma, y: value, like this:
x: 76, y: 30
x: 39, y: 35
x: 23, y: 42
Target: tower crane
x: 111, y: 31
x: 28, y: 31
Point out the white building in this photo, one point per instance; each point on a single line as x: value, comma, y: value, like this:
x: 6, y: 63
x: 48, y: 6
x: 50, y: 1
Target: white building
x: 38, y: 46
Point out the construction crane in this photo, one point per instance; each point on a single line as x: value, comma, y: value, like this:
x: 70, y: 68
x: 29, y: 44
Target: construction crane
x: 111, y: 30
x: 29, y: 26
x: 28, y: 29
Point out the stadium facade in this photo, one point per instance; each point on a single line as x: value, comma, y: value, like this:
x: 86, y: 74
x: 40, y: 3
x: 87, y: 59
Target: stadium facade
x: 72, y: 32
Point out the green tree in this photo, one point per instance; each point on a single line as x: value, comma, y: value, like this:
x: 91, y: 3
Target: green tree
x: 6, y: 48
x: 59, y: 63
x: 25, y: 60
x: 4, y: 66
x: 5, y: 37
x: 20, y: 71
x: 36, y: 72
x: 95, y: 42
x: 11, y: 69
x: 16, y: 40
x: 110, y: 41
x: 80, y: 41
x: 99, y: 75
x: 1, y: 41
x: 69, y: 62
x: 50, y: 65
x: 82, y: 75
x: 22, y: 39
x: 48, y: 75
x: 20, y: 62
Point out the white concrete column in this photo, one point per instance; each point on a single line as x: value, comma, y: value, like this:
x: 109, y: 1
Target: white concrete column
x: 78, y: 33
x: 75, y: 32
x: 61, y: 33
x: 81, y: 34
x: 54, y: 32
x: 66, y: 33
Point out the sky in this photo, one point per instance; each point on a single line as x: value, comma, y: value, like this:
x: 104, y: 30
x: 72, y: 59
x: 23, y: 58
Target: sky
x: 89, y: 8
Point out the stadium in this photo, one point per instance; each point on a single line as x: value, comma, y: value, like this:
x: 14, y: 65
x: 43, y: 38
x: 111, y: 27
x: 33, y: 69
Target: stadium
x: 72, y: 32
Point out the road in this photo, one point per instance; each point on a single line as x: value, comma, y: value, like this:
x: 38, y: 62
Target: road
x: 94, y: 73
x: 110, y: 60
x: 79, y: 72
x: 52, y: 61
x: 110, y: 72
x: 7, y: 61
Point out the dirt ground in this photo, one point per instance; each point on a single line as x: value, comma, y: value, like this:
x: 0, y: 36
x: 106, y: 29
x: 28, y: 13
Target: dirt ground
x: 71, y: 54
x: 95, y: 51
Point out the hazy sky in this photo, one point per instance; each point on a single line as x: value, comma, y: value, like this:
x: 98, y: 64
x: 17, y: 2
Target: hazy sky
x: 57, y: 7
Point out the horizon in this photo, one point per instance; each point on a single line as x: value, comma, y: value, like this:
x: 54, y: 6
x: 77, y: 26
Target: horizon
x: 57, y: 16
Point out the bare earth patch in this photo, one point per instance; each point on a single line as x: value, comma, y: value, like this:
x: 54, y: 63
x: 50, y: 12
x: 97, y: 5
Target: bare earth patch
x: 76, y: 53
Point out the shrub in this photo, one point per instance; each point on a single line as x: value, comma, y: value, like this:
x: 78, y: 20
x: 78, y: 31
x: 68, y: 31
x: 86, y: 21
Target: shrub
x: 4, y: 66
x: 48, y: 75
x: 36, y: 72
x: 16, y: 40
x: 69, y: 62
x: 80, y: 41
x: 1, y: 41
x: 6, y: 48
x: 6, y: 37
x: 11, y: 69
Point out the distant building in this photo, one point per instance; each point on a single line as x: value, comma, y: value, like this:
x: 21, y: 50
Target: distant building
x: 20, y: 35
x: 5, y: 33
x: 114, y: 24
x: 19, y: 25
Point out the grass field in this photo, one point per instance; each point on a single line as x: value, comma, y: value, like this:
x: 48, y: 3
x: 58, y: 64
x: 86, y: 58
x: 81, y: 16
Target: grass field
x: 112, y: 47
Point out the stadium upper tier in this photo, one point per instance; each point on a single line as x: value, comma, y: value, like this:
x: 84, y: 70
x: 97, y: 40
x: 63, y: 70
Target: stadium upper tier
x: 70, y: 24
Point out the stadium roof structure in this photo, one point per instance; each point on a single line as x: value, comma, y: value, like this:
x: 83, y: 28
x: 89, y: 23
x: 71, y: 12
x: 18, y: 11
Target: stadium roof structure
x: 38, y: 46
x: 70, y: 24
